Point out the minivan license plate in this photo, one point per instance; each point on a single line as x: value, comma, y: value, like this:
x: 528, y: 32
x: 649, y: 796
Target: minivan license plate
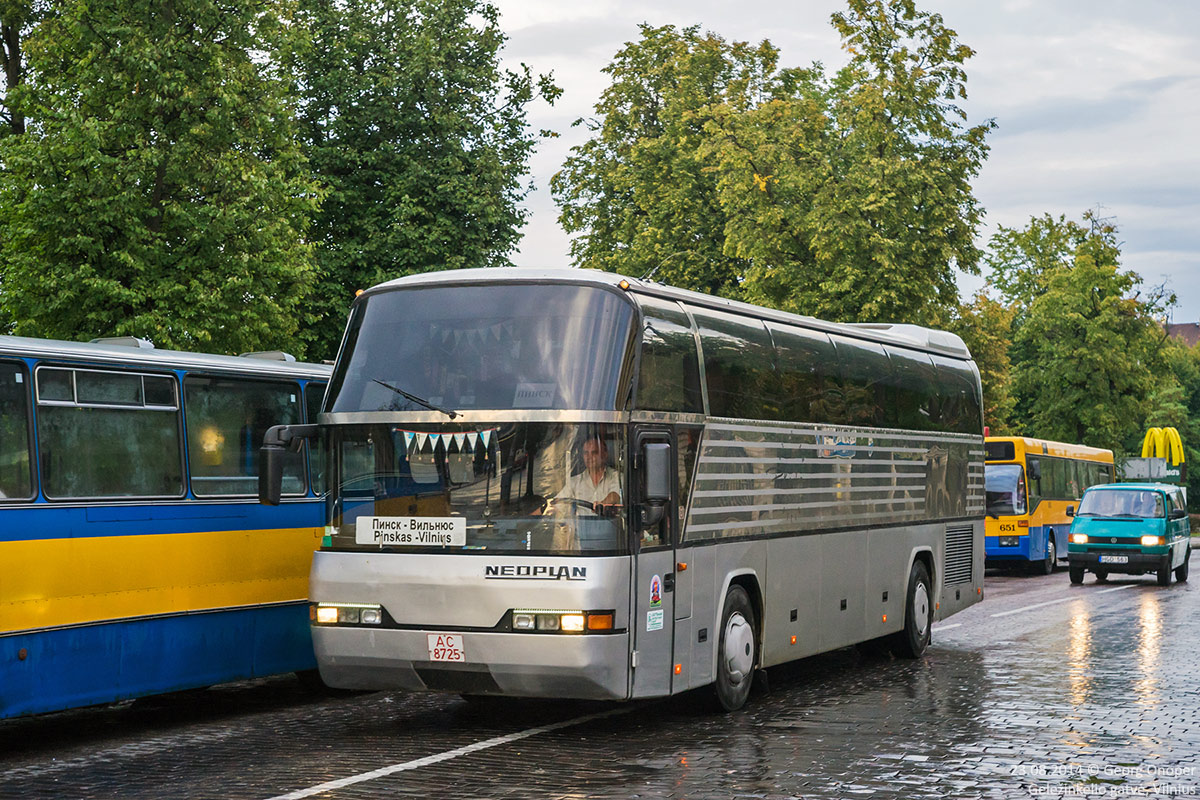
x: 1114, y: 559
x: 446, y: 647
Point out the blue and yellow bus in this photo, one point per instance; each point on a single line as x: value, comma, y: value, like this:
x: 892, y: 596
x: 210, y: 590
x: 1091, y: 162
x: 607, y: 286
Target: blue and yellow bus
x: 136, y: 558
x: 1030, y: 483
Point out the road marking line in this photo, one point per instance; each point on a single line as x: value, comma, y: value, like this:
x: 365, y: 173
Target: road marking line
x: 1061, y: 600
x: 947, y: 627
x: 383, y: 772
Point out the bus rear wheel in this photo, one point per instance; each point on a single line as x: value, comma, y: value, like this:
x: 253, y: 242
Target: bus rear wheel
x: 736, y: 651
x: 913, y: 639
x: 1047, y: 565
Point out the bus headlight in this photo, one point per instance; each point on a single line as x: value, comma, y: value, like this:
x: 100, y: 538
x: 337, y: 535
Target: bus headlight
x: 347, y: 614
x: 553, y: 620
x: 1079, y: 538
x: 1151, y: 541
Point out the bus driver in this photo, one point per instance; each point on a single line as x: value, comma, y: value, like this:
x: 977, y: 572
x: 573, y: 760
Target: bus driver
x: 598, y: 487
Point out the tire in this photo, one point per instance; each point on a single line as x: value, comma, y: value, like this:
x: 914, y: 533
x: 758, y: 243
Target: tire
x: 1164, y: 572
x: 1101, y: 576
x: 1046, y: 566
x: 737, y: 651
x: 1076, y: 574
x: 1181, y: 572
x: 913, y: 639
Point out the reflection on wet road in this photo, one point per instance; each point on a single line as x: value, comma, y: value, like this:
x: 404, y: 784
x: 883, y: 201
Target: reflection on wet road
x: 1043, y: 690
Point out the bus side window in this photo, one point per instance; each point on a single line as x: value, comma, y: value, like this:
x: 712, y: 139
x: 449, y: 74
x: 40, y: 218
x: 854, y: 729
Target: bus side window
x: 314, y: 391
x: 104, y: 434
x: 226, y: 421
x: 669, y: 375
x: 15, y: 475
x: 860, y: 396
x: 802, y: 358
x: 739, y: 366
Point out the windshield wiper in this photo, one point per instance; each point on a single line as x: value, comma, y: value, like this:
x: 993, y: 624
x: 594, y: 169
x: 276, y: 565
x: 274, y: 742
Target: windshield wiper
x: 449, y: 413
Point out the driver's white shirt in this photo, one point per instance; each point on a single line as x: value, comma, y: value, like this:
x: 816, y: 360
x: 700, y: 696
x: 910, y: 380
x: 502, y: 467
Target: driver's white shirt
x: 581, y: 486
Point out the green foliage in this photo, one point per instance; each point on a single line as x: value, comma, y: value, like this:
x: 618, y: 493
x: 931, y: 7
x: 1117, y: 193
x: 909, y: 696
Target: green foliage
x: 1090, y: 354
x: 1175, y: 402
x: 1021, y: 260
x: 847, y: 198
x: 986, y: 326
x: 158, y: 190
x: 639, y: 195
x: 419, y: 137
x: 880, y: 214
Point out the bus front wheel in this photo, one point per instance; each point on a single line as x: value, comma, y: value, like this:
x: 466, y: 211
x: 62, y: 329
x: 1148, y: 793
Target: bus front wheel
x: 913, y: 639
x: 736, y: 650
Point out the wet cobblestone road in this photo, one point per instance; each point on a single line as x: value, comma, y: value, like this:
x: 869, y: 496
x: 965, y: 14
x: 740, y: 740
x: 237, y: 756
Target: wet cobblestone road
x: 1043, y: 690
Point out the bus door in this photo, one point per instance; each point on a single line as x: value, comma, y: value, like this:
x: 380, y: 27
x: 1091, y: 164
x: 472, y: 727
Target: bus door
x: 653, y: 529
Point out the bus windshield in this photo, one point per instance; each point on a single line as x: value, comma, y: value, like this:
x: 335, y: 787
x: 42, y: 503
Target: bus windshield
x: 528, y: 487
x: 1122, y: 503
x: 525, y: 346
x: 1005, y: 487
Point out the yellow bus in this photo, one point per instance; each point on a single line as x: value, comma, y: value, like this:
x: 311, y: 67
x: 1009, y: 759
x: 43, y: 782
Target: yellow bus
x: 1030, y: 484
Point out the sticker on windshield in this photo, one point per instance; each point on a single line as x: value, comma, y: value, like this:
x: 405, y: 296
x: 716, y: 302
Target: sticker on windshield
x: 534, y: 395
x: 412, y: 531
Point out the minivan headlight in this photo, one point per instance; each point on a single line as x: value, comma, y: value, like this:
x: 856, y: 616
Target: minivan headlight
x: 1079, y: 538
x: 1151, y: 541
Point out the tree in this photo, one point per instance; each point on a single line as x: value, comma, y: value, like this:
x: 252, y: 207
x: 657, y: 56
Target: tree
x: 851, y: 197
x: 1090, y: 356
x: 985, y: 324
x: 17, y: 18
x: 158, y: 190
x: 639, y: 196
x: 1021, y: 260
x: 419, y: 138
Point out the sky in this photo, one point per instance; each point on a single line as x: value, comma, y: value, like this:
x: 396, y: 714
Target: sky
x: 1097, y: 104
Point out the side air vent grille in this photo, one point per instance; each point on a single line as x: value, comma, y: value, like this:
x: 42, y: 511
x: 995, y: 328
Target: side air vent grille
x: 960, y: 554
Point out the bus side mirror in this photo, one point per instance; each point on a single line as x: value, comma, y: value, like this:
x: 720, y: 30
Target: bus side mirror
x: 656, y: 489
x: 1035, y: 470
x: 1070, y: 511
x: 276, y: 443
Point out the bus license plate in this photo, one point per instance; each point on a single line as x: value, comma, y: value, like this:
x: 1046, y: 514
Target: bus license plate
x: 446, y: 647
x: 1114, y: 559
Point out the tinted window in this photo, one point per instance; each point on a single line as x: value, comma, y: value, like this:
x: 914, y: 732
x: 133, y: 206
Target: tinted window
x: 226, y: 421
x: 669, y: 374
x: 105, y: 443
x: 739, y: 369
x: 802, y: 358
x: 859, y: 395
x: 999, y: 451
x: 485, y: 347
x: 16, y: 479
x: 915, y: 388
x: 961, y: 396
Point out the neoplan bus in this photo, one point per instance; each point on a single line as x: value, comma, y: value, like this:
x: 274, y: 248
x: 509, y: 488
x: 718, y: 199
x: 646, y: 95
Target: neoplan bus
x: 136, y: 557
x: 774, y: 487
x: 1030, y: 484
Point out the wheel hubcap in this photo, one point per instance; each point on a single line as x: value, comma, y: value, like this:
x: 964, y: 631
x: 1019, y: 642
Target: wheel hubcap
x: 921, y: 608
x: 739, y: 648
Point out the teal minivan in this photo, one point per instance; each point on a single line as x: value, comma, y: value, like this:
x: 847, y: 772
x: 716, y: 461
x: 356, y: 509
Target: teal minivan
x: 1130, y: 528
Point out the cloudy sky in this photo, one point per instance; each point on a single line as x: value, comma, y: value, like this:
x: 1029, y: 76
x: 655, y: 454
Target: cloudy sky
x: 1097, y: 103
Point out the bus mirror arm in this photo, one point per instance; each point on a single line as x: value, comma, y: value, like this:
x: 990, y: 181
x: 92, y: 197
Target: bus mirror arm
x: 277, y: 441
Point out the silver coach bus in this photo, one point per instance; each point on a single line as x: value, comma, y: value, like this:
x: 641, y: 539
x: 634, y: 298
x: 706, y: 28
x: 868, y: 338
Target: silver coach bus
x: 566, y: 483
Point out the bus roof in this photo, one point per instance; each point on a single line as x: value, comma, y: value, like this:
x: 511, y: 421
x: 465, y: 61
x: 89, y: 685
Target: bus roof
x: 1046, y: 447
x: 914, y: 336
x: 134, y: 354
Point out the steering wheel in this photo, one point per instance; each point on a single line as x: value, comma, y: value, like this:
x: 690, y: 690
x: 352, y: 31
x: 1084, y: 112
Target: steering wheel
x: 573, y: 501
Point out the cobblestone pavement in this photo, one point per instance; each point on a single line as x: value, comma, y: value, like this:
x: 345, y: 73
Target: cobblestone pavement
x: 1043, y: 690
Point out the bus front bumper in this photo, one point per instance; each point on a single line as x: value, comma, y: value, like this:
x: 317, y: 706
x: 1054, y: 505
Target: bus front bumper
x: 594, y: 667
